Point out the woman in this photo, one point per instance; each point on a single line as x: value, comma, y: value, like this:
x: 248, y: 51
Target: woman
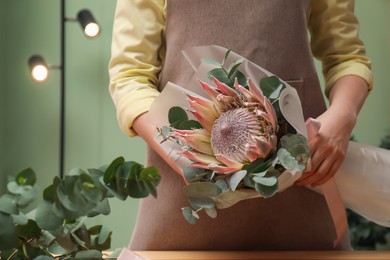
x: 147, y: 41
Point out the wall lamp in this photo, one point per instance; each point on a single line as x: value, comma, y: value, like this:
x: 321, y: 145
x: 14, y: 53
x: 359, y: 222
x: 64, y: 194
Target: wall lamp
x: 39, y: 69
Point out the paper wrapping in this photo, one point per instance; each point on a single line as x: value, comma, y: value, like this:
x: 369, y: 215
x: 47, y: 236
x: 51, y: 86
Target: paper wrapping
x: 364, y: 177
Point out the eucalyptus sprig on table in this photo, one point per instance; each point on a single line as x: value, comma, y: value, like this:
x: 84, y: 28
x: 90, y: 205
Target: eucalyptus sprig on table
x: 57, y: 226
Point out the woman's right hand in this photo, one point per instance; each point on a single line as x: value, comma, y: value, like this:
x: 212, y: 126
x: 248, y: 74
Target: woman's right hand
x: 148, y: 131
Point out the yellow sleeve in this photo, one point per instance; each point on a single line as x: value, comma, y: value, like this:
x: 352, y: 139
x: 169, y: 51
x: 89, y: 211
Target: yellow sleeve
x: 137, y: 54
x: 335, y: 41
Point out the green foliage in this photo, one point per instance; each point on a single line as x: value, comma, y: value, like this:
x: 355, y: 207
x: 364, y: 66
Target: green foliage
x: 385, y: 142
x: 178, y: 119
x: 56, y: 226
x: 226, y: 75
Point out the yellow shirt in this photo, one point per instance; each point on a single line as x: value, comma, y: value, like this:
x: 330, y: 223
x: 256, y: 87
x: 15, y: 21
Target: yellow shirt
x: 137, y: 51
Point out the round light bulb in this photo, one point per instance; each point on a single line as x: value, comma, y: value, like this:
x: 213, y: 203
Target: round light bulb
x: 39, y: 72
x: 92, y: 30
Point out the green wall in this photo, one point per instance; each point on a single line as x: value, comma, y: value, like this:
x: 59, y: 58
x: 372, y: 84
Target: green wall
x: 374, y: 118
x: 29, y: 112
x: 2, y: 86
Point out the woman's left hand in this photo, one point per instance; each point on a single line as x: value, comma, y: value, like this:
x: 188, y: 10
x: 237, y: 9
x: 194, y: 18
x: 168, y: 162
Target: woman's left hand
x: 329, y: 146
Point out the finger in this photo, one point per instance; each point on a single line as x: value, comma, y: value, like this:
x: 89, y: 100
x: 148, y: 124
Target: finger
x: 320, y: 162
x: 331, y: 173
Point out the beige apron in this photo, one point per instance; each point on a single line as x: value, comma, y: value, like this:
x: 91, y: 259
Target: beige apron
x: 272, y: 34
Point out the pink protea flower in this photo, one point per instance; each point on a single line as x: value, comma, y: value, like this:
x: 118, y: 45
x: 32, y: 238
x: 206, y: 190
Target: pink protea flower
x: 240, y: 126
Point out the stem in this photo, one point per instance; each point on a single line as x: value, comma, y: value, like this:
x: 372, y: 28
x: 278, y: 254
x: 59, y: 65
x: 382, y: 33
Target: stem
x: 13, y: 253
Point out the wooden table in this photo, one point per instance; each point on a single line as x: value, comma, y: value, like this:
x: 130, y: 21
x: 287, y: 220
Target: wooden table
x: 229, y: 255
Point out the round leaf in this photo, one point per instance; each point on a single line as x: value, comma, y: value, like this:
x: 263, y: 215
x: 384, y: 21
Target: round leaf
x: 8, y: 204
x: 176, y: 114
x: 187, y: 213
x: 89, y: 254
x: 8, y: 233
x: 230, y: 198
x: 26, y: 177
x: 269, y: 84
x: 202, y: 189
x: 45, y: 217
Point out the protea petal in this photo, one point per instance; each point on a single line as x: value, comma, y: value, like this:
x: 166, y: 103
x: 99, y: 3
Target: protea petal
x: 201, y: 135
x: 271, y: 112
x: 199, y: 157
x: 208, y: 114
x: 256, y: 92
x: 202, y: 147
x: 213, y: 93
x: 204, y: 102
x: 225, y: 89
x: 251, y: 155
x: 205, y: 122
x: 246, y: 93
x: 229, y: 162
x: 225, y: 99
x: 262, y: 146
x: 222, y: 169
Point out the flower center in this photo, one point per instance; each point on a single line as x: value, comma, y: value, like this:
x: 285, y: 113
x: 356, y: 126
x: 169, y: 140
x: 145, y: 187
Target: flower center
x: 232, y: 131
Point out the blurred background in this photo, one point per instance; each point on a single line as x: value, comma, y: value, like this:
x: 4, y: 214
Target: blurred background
x: 30, y: 111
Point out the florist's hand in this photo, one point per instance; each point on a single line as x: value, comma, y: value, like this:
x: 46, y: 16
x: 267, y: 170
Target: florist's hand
x: 328, y: 147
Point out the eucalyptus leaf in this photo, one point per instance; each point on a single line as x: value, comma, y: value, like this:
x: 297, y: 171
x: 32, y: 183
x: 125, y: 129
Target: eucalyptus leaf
x: 258, y: 165
x: 89, y: 254
x: 14, y: 188
x: 30, y: 229
x: 109, y: 174
x: 236, y: 178
x: 296, y: 145
x: 45, y: 218
x: 289, y: 162
x: 192, y: 174
x: 165, y: 132
x: 76, y: 172
x: 221, y: 75
x: 201, y: 202
x: 230, y: 198
x: 265, y: 181
x: 266, y: 191
x: 19, y: 219
x: 226, y: 56
x: 210, y: 61
x: 28, y: 195
x: 188, y: 125
x: 222, y: 184
x: 26, y: 177
x: 43, y: 257
x: 8, y: 233
x: 8, y: 204
x: 241, y: 78
x: 276, y: 93
x: 151, y: 189
x: 269, y: 84
x: 46, y: 238
x: 176, y: 114
x: 201, y: 190
x: 234, y: 66
x: 102, y: 207
x: 57, y: 249
x: 49, y: 193
x: 115, y: 254
x: 187, y: 213
x: 104, y: 234
x: 211, y: 212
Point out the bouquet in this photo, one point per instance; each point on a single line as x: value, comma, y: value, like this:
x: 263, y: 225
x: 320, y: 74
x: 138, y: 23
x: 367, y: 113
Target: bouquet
x: 238, y: 142
x: 265, y: 115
